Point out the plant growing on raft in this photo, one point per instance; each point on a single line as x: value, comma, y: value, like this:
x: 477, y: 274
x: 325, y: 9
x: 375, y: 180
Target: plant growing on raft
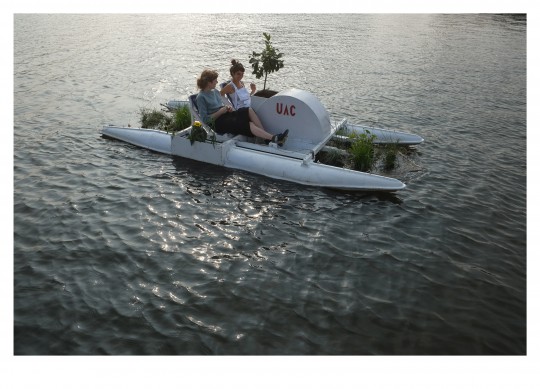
x: 359, y: 152
x: 172, y: 122
x: 181, y: 118
x: 389, y: 155
x: 362, y: 151
x: 154, y: 119
x: 197, y: 133
x: 267, y: 61
x: 332, y: 156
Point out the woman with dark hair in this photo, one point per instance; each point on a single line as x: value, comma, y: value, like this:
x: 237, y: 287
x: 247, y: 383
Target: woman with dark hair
x: 235, y: 89
x: 244, y: 121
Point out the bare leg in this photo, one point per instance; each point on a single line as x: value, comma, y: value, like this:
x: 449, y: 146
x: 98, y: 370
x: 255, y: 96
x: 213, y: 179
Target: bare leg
x: 258, y: 131
x: 255, y: 119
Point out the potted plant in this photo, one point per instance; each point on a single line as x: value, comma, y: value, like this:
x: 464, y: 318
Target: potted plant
x: 266, y: 62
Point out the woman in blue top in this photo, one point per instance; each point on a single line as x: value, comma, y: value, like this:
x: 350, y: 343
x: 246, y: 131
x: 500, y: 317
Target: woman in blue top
x: 243, y: 121
x: 235, y: 89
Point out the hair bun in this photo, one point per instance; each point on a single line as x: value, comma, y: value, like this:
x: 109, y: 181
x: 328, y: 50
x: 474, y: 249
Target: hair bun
x: 234, y: 62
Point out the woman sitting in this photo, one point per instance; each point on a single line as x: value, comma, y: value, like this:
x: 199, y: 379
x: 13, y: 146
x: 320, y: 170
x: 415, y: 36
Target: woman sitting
x: 244, y: 121
x: 236, y: 89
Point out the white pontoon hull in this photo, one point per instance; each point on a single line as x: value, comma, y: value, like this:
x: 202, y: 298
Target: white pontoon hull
x: 383, y: 136
x: 309, y: 127
x: 239, y: 154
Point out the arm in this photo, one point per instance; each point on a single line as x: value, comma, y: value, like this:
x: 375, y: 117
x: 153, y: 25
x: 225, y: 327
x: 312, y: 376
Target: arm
x: 227, y: 89
x: 203, y: 107
x: 221, y: 111
x: 211, y: 107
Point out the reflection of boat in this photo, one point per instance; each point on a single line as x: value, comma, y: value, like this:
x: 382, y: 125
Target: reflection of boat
x: 309, y: 130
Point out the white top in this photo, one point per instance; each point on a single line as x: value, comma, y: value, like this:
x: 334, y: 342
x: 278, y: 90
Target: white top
x: 241, y: 97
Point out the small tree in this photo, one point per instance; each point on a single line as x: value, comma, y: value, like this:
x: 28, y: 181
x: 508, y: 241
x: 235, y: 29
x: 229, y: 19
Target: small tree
x: 267, y: 61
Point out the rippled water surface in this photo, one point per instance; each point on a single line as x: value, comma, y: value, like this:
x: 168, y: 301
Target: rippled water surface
x: 119, y: 250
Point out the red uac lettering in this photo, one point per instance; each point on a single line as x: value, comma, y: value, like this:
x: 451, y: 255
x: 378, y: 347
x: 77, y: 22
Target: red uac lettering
x: 287, y: 111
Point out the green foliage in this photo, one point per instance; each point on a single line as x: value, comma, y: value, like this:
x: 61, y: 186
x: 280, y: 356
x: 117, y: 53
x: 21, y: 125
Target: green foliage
x: 332, y: 156
x: 267, y: 61
x: 390, y: 152
x: 212, y: 124
x: 181, y: 118
x: 155, y: 119
x: 159, y: 120
x: 362, y: 151
x: 197, y: 134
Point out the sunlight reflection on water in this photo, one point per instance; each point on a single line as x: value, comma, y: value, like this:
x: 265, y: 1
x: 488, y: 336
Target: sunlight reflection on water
x: 120, y: 250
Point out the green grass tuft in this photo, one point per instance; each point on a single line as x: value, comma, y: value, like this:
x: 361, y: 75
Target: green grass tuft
x: 178, y: 120
x: 362, y: 151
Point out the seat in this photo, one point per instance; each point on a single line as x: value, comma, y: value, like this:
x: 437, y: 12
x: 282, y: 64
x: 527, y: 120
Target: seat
x: 194, y: 110
x: 195, y: 116
x: 227, y: 99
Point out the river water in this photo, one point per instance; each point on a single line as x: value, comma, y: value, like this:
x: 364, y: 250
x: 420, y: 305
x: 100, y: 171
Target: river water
x: 122, y: 251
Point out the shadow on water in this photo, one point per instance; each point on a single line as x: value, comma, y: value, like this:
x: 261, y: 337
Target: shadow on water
x: 211, y: 175
x: 208, y: 179
x: 511, y: 18
x: 202, y: 173
x: 121, y: 250
x: 366, y: 196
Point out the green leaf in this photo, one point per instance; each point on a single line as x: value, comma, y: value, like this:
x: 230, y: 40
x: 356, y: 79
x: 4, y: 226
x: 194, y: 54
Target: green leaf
x: 267, y: 61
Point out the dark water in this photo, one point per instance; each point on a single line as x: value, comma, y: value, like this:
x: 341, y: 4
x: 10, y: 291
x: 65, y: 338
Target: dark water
x: 118, y: 250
